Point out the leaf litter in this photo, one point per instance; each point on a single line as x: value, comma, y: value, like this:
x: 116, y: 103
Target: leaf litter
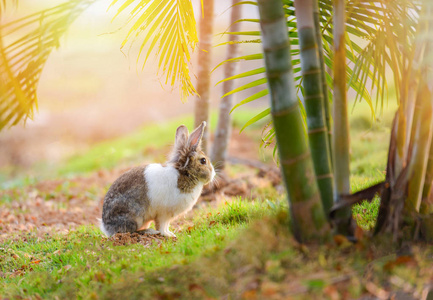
x: 123, y: 239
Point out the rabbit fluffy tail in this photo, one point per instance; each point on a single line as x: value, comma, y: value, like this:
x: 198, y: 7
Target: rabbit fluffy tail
x: 120, y: 225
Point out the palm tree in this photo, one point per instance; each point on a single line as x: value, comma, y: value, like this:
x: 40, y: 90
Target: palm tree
x: 421, y: 134
x: 405, y: 193
x: 325, y: 89
x: 308, y: 218
x: 379, y: 23
x: 314, y: 101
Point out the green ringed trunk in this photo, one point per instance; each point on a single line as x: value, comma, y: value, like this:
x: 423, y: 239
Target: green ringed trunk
x: 323, y: 73
x: 307, y: 215
x: 314, y: 104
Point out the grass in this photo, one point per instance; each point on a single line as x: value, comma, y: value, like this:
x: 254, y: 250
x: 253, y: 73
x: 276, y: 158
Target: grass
x: 241, y: 249
x: 45, y: 263
x: 223, y: 255
x: 366, y: 213
x: 369, y: 146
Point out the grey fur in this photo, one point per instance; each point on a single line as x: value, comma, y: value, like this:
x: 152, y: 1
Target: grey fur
x: 125, y: 202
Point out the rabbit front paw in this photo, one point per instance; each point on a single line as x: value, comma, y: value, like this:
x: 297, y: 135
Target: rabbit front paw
x: 168, y: 233
x: 149, y: 231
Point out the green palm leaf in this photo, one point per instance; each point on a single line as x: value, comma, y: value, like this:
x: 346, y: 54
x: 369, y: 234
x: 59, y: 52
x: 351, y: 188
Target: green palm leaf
x: 256, y: 118
x: 376, y: 37
x: 169, y: 28
x: 22, y: 59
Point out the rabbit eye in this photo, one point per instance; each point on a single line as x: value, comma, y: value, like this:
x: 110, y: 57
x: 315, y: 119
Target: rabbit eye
x: 203, y: 161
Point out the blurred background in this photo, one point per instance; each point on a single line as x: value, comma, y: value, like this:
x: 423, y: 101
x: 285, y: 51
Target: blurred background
x: 91, y: 90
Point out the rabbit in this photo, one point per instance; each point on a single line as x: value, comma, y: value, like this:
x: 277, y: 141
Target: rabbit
x: 159, y: 192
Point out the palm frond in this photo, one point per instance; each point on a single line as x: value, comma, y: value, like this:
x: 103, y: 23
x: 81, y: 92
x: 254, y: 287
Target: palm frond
x: 6, y: 3
x: 378, y: 31
x: 169, y: 28
x: 25, y: 45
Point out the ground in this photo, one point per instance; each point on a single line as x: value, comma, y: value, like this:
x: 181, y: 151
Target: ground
x: 235, y: 244
x: 60, y: 205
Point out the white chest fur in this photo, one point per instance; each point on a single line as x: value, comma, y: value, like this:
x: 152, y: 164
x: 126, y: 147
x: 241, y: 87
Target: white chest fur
x: 164, y: 195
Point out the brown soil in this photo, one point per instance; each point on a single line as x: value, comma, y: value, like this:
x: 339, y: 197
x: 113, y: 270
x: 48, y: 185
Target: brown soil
x: 64, y: 204
x: 121, y: 239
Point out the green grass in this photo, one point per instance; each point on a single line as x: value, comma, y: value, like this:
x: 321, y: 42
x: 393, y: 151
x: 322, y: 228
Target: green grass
x: 369, y: 150
x: 228, y: 250
x: 366, y: 213
x: 45, y: 263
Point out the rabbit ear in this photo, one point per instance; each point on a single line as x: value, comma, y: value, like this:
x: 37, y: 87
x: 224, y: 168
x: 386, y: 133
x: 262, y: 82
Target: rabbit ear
x: 195, y: 137
x: 181, y: 136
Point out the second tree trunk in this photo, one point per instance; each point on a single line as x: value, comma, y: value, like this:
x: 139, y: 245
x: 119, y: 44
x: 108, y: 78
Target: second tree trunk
x: 314, y: 103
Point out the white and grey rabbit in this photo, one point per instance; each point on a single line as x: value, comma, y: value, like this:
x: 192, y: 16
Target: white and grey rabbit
x: 159, y: 192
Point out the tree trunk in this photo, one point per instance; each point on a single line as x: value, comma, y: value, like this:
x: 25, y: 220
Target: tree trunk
x: 341, y: 143
x: 427, y: 195
x: 204, y: 68
x: 412, y: 133
x: 313, y: 97
x: 421, y: 143
x: 308, y: 218
x: 426, y: 208
x: 224, y: 127
x: 408, y: 94
x: 323, y: 74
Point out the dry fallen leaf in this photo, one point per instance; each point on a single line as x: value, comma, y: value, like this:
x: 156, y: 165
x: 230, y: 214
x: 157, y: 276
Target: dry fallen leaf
x: 194, y: 286
x: 405, y: 260
x: 269, y: 288
x: 250, y: 295
x: 376, y: 291
x: 332, y: 292
x: 100, y: 277
x: 341, y: 240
